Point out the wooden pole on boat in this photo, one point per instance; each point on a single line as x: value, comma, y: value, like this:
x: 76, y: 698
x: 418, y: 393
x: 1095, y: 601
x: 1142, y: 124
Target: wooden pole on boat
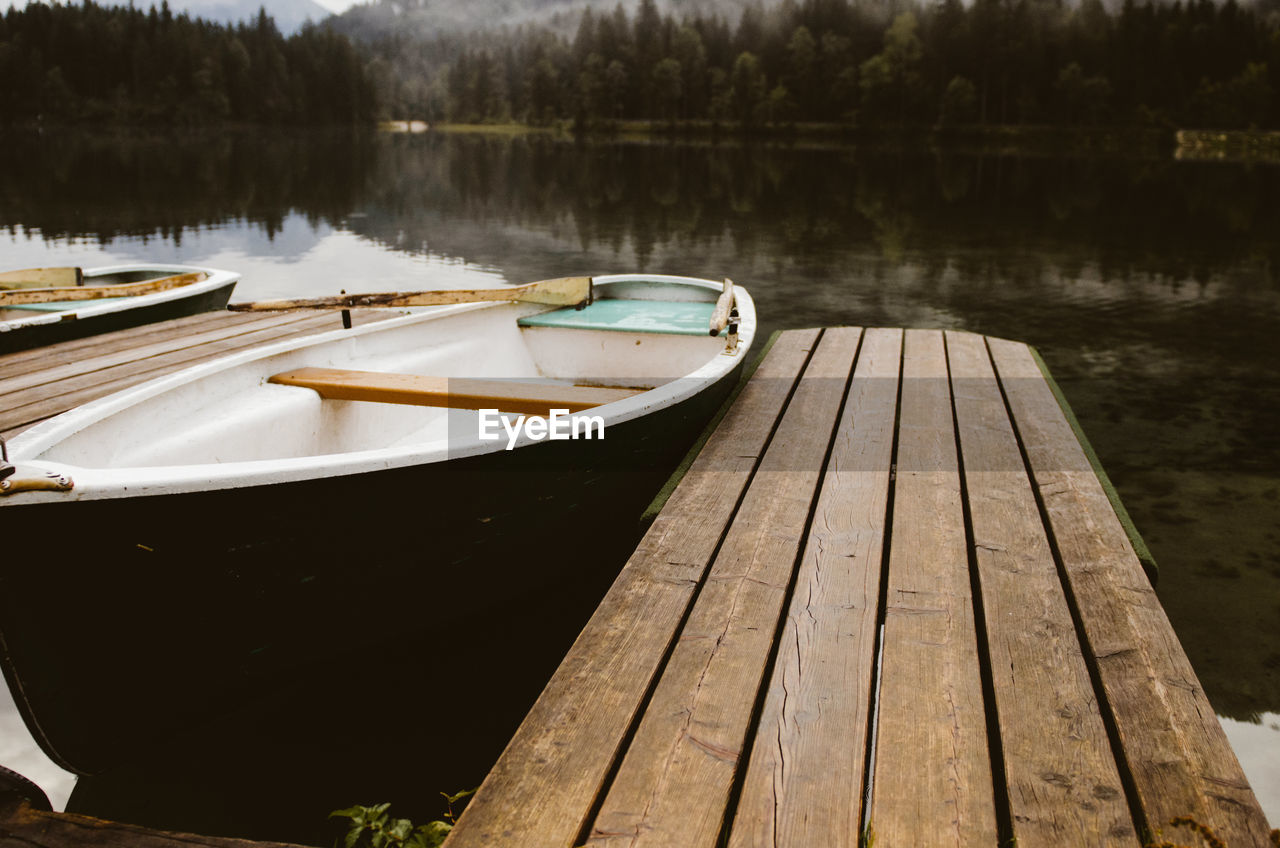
x: 59, y: 294
x: 564, y: 291
x: 30, y: 278
x: 724, y: 305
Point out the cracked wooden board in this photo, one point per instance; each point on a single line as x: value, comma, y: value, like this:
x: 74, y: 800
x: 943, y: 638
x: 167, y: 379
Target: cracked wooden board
x: 23, y: 825
x: 1062, y: 780
x: 932, y: 774
x: 66, y: 375
x: 804, y: 781
x: 675, y: 780
x: 1173, y: 746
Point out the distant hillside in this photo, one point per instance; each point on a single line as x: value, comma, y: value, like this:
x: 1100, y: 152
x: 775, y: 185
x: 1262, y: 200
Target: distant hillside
x: 436, y: 17
x: 289, y: 15
x: 431, y: 18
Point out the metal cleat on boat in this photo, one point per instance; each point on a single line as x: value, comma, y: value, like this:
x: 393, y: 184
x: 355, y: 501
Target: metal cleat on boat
x: 31, y: 478
x: 731, y: 340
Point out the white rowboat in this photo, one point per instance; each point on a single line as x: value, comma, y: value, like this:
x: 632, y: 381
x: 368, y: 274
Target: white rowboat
x: 227, y: 424
x: 32, y: 313
x: 229, y: 518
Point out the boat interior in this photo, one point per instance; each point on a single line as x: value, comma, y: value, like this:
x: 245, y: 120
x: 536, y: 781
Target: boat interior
x: 15, y: 312
x: 429, y: 375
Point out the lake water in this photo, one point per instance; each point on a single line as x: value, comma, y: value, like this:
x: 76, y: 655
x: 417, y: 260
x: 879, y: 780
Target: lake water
x: 1151, y: 286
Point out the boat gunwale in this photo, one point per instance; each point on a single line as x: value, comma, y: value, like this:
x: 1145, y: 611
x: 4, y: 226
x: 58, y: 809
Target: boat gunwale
x: 96, y: 483
x: 215, y: 278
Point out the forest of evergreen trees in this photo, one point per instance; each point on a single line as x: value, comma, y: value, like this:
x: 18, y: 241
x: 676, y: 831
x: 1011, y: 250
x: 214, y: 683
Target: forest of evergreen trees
x: 86, y: 62
x: 1192, y: 63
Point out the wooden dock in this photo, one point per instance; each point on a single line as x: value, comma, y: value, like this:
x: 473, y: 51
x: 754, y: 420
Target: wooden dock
x: 43, y: 382
x: 889, y: 601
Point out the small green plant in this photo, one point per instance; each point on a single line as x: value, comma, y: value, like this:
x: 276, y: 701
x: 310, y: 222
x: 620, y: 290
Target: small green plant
x: 373, y: 827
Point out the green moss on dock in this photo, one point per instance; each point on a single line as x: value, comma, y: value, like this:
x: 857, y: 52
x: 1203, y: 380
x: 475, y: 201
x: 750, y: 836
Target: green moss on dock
x: 1131, y: 530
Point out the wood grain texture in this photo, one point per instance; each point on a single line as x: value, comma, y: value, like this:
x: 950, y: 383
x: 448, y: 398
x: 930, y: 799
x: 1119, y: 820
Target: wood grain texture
x: 674, y: 782
x: 720, y: 313
x: 54, y: 366
x: 516, y: 396
x: 1174, y: 748
x: 33, y: 277
x: 28, y: 407
x: 804, y: 779
x: 1063, y: 784
x: 35, y: 359
x: 932, y: 770
x: 562, y: 291
x: 550, y: 775
x: 74, y: 293
x: 20, y: 825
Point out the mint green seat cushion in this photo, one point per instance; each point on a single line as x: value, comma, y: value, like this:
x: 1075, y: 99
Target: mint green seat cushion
x: 630, y: 316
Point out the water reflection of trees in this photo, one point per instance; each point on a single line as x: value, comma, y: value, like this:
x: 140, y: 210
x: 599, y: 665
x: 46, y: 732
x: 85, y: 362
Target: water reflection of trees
x: 817, y: 204
x: 80, y: 185
x: 809, y: 206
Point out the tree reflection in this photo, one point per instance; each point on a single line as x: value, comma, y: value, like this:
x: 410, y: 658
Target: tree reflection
x: 82, y: 185
x: 448, y: 193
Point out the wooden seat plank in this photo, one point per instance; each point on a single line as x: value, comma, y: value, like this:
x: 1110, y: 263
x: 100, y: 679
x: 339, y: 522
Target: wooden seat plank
x: 932, y: 768
x: 1063, y: 784
x: 546, y: 782
x: 514, y: 396
x: 675, y: 780
x: 804, y: 781
x: 1174, y: 748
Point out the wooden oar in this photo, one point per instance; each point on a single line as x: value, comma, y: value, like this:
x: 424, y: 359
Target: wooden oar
x: 564, y: 291
x: 20, y: 297
x: 724, y: 305
x: 29, y: 278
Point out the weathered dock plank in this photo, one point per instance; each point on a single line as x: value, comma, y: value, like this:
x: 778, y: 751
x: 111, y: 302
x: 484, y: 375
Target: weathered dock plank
x: 35, y: 385
x: 932, y: 773
x: 34, y: 358
x: 22, y: 825
x: 1173, y: 748
x: 674, y: 782
x: 800, y: 789
x: 1063, y: 784
x: 60, y: 365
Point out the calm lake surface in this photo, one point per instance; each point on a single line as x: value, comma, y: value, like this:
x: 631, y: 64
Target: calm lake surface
x: 1150, y: 286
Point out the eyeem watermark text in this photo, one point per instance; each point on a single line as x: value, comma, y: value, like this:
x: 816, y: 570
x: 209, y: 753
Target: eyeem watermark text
x: 560, y: 424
